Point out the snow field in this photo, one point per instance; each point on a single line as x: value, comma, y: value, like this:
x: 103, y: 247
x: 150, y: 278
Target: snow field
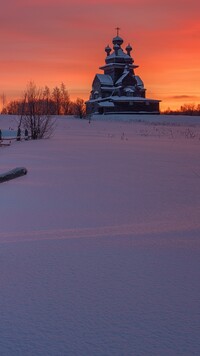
x: 100, y: 241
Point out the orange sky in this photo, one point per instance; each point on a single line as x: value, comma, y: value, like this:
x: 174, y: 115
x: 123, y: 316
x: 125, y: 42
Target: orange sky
x: 50, y: 41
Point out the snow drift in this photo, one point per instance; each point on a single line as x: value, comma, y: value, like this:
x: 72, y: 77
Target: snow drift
x: 100, y: 241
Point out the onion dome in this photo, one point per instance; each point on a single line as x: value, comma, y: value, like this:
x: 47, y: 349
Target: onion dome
x: 117, y: 41
x: 116, y: 48
x: 108, y: 50
x: 128, y: 49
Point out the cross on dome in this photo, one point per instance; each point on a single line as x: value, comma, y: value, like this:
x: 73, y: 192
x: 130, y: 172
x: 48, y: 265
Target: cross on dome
x: 117, y: 29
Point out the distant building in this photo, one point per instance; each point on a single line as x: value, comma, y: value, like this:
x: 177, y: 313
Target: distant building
x: 119, y: 90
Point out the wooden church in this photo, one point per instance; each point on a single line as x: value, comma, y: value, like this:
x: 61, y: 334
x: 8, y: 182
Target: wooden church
x: 119, y: 90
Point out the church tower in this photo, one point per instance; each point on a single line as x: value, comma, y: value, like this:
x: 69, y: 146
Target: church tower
x: 119, y: 90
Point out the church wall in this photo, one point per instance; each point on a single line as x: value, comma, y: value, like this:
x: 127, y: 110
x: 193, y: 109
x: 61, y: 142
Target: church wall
x: 91, y: 108
x: 106, y: 94
x: 129, y: 80
x: 115, y: 73
x: 96, y: 85
x: 135, y: 107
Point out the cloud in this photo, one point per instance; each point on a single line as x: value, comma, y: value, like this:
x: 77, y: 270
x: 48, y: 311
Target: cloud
x: 181, y: 97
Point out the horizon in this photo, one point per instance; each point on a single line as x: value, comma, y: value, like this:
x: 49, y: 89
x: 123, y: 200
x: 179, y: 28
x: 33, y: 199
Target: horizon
x: 51, y: 42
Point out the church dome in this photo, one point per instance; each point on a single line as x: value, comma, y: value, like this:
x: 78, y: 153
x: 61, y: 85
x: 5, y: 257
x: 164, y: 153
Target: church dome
x: 108, y: 50
x: 116, y: 48
x: 117, y: 40
x: 129, y: 49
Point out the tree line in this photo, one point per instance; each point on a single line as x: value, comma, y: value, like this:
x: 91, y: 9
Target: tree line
x: 186, y: 109
x: 46, y: 102
x: 37, y: 108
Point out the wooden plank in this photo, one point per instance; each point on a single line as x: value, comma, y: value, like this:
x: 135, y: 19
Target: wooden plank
x: 14, y: 173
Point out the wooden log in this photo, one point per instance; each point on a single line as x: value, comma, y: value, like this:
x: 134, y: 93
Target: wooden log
x: 14, y: 173
x: 2, y: 143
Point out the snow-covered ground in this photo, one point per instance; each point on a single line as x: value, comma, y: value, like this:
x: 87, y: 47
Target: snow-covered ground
x: 100, y: 241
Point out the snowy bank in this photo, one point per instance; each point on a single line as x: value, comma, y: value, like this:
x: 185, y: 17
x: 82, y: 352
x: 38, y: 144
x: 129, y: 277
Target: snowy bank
x: 149, y: 118
x: 100, y: 241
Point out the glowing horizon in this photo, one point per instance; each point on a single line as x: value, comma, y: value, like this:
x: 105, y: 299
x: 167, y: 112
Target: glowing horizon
x: 51, y: 42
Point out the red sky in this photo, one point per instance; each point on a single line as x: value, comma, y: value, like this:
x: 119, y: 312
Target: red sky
x: 50, y: 41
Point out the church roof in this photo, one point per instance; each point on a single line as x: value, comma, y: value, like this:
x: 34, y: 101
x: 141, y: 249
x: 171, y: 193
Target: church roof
x: 120, y: 54
x: 106, y: 104
x: 139, y: 81
x: 118, y: 40
x: 119, y: 81
x: 124, y: 98
x: 105, y: 79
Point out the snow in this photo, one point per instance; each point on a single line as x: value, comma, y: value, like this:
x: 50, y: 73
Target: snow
x: 100, y: 240
x: 124, y: 98
x: 105, y: 79
x: 131, y: 98
x: 106, y: 104
x: 139, y: 81
x: 120, y: 54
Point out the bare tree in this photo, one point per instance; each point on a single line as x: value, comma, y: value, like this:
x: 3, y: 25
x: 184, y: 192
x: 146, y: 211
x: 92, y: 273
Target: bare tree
x: 12, y: 108
x: 56, y: 96
x: 185, y: 109
x: 47, y: 99
x: 65, y: 100
x: 43, y: 101
x: 79, y: 108
x: 188, y: 109
x: 35, y: 116
x: 3, y: 101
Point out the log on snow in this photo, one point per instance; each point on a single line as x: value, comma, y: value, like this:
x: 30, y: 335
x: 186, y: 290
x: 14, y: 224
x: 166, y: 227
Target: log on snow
x: 14, y: 173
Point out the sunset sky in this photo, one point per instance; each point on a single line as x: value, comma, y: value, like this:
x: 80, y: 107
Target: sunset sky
x: 54, y: 41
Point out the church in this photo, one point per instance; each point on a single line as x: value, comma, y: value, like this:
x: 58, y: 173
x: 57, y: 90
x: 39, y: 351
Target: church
x: 119, y: 90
